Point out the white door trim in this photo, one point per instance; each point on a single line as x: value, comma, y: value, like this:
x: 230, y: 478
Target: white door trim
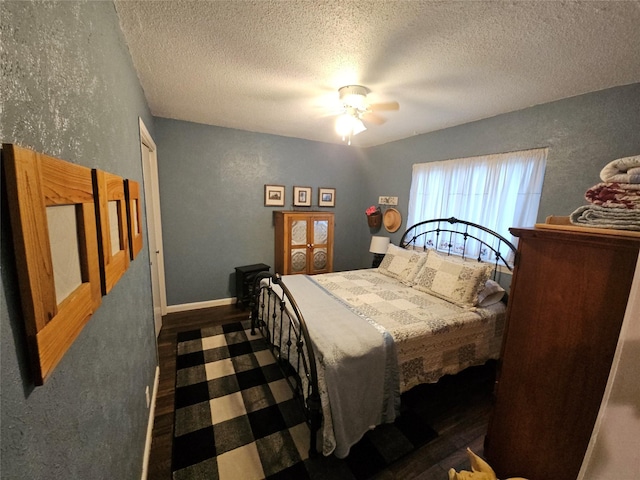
x: 153, y: 210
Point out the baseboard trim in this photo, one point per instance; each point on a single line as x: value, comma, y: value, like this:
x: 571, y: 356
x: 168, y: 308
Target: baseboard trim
x: 152, y: 413
x: 198, y: 305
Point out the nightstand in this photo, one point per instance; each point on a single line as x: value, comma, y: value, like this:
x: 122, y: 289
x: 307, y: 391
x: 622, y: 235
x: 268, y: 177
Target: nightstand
x: 245, y: 276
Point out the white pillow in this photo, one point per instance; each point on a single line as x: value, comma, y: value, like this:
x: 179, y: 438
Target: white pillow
x: 402, y: 264
x: 490, y: 294
x: 450, y: 278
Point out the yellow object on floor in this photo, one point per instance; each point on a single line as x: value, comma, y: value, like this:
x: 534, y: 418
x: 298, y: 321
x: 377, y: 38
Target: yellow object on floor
x: 480, y: 470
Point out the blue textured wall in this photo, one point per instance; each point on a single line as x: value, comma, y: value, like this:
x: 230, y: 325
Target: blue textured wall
x: 69, y: 90
x: 583, y: 134
x: 211, y: 180
x: 212, y: 200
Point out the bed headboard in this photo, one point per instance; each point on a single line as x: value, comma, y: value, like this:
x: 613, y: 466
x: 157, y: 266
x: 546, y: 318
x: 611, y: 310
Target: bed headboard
x: 459, y: 237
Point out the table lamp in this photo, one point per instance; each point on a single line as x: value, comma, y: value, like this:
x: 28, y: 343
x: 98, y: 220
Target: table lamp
x: 378, y: 247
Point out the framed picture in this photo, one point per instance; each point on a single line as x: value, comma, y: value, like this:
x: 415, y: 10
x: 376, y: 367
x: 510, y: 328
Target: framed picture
x: 302, y: 196
x: 326, y: 197
x: 274, y: 195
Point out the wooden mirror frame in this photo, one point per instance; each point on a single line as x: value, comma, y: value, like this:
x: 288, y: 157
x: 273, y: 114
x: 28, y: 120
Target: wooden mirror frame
x: 134, y: 212
x: 110, y: 187
x: 34, y: 182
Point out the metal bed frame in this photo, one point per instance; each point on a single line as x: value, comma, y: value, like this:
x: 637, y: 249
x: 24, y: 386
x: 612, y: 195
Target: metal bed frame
x: 417, y: 237
x: 283, y: 326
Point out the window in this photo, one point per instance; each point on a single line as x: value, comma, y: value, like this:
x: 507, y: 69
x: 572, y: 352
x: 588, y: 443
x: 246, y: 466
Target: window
x: 497, y: 191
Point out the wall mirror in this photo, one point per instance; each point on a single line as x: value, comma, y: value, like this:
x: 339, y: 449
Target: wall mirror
x: 52, y: 210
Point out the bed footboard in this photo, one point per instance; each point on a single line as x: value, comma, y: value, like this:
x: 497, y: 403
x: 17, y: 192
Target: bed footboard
x: 276, y: 314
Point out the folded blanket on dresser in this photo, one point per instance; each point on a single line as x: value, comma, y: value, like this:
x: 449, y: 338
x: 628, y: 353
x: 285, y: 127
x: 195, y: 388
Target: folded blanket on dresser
x: 623, y: 170
x: 621, y: 195
x: 606, y: 217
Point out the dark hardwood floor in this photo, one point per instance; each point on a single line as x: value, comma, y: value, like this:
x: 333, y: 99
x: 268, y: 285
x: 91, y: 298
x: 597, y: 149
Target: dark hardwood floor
x: 458, y: 407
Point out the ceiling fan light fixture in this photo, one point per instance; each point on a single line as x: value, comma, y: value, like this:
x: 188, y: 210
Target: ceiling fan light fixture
x: 354, y: 107
x: 354, y: 96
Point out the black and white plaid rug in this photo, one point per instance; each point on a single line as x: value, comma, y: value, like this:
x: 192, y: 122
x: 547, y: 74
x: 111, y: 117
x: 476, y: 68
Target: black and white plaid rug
x: 235, y: 417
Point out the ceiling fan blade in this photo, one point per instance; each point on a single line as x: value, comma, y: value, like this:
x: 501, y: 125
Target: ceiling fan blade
x: 373, y: 118
x: 384, y: 106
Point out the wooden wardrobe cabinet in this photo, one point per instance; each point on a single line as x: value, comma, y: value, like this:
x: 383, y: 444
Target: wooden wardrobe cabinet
x: 568, y: 298
x: 304, y: 242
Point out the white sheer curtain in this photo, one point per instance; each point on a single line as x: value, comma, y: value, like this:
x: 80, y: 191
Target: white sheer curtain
x: 497, y: 191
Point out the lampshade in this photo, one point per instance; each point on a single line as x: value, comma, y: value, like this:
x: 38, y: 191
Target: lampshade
x: 358, y: 126
x: 344, y: 124
x: 349, y: 124
x: 379, y: 245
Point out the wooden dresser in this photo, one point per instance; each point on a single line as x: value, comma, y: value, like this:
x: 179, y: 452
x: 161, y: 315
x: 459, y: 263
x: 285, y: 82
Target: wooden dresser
x: 568, y: 298
x: 303, y: 242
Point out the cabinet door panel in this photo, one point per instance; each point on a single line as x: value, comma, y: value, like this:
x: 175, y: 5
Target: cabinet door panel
x: 298, y: 260
x: 320, y: 231
x: 298, y: 232
x: 319, y: 259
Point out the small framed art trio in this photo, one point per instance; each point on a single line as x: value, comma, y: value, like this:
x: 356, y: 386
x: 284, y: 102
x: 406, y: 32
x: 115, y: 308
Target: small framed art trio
x: 75, y: 230
x: 274, y: 196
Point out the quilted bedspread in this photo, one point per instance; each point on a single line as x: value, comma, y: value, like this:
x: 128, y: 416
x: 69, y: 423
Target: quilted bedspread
x: 428, y: 337
x: 432, y: 336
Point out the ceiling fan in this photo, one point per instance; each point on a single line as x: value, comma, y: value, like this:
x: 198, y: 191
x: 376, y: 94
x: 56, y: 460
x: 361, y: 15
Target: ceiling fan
x: 355, y: 110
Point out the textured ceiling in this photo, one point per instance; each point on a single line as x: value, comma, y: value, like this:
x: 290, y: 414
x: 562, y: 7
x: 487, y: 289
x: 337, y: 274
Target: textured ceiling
x: 275, y: 66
